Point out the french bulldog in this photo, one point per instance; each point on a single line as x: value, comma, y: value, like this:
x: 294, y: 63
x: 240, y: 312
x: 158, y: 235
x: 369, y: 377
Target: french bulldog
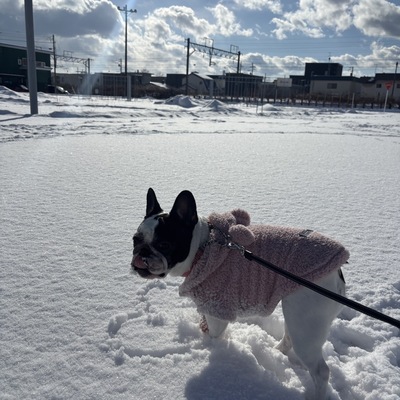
x: 175, y: 243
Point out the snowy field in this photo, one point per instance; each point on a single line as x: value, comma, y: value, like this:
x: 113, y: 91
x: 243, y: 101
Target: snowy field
x: 75, y: 323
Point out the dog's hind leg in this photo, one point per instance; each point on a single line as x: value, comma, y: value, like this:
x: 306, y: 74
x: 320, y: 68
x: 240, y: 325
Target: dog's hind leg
x: 286, y: 343
x: 308, y: 317
x: 215, y: 327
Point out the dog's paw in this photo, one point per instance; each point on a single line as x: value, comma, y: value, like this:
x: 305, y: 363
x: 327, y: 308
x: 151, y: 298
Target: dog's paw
x: 203, y: 324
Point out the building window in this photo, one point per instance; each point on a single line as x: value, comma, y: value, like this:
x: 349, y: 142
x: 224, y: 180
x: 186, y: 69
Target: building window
x: 332, y: 85
x: 378, y: 85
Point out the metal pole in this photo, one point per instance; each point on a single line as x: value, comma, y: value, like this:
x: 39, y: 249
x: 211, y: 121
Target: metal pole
x: 187, y: 67
x: 394, y: 78
x: 55, y: 63
x: 386, y: 99
x: 238, y: 63
x: 126, y: 11
x: 126, y: 40
x: 30, y: 51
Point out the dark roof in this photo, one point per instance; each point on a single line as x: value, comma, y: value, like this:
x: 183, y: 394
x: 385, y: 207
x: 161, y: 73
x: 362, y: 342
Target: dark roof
x: 334, y: 78
x: 384, y: 76
x: 12, y: 46
x: 380, y: 77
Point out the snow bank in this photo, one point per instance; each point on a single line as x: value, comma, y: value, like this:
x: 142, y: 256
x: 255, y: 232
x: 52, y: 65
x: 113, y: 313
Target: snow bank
x: 182, y: 101
x: 10, y: 95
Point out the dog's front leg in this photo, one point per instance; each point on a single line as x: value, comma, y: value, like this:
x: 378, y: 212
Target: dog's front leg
x: 213, y: 326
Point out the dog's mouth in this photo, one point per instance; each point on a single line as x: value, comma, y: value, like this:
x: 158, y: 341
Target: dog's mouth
x: 142, y: 266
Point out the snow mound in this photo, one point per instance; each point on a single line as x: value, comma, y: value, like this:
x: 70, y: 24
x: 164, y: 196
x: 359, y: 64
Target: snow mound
x: 270, y: 108
x: 6, y: 90
x: 6, y: 93
x: 215, y: 105
x: 182, y: 101
x: 77, y: 114
x: 7, y: 112
x: 219, y: 106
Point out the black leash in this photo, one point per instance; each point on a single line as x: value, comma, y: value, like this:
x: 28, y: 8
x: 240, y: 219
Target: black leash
x: 316, y: 288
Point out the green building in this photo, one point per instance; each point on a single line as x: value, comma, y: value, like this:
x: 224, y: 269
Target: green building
x: 13, y: 67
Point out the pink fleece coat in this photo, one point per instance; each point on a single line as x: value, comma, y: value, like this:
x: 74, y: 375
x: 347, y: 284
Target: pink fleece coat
x: 226, y: 285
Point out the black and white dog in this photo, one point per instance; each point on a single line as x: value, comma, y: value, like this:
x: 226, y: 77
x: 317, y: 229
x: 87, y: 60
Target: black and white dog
x: 172, y: 243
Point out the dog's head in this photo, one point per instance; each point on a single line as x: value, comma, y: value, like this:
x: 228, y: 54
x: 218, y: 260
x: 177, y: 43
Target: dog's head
x: 163, y: 239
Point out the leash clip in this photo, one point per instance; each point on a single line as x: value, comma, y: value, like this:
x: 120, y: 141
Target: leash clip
x: 228, y: 241
x: 234, y: 246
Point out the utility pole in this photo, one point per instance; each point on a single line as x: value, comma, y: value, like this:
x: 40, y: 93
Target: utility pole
x: 394, y: 78
x: 126, y: 11
x: 55, y: 62
x: 31, y: 55
x: 252, y: 68
x: 187, y: 67
x: 207, y: 50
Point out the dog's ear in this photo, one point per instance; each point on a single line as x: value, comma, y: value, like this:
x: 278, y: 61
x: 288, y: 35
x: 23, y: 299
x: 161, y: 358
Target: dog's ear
x: 185, y: 209
x: 153, y: 207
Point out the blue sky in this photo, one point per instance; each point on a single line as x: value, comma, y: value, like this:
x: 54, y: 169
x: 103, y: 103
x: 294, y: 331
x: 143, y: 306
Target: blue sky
x: 275, y: 37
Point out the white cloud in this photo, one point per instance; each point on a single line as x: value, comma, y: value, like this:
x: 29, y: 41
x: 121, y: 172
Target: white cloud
x: 226, y: 24
x: 294, y: 24
x: 273, y: 66
x: 78, y: 7
x: 92, y: 17
x: 377, y: 18
x: 380, y: 55
x: 159, y: 40
x: 381, y: 58
x: 313, y: 16
x: 65, y: 18
x: 185, y: 19
x: 272, y: 5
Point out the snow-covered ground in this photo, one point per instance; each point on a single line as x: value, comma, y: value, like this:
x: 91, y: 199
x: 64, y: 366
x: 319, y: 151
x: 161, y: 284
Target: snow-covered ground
x: 75, y: 323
